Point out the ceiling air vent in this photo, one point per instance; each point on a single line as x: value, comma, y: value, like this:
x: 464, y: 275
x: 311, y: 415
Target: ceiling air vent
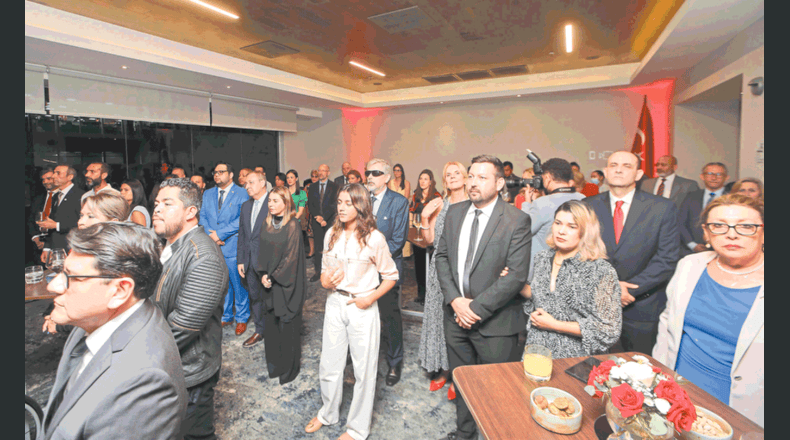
x: 509, y: 70
x: 270, y: 49
x: 475, y: 74
x: 470, y: 36
x: 403, y: 20
x: 441, y: 79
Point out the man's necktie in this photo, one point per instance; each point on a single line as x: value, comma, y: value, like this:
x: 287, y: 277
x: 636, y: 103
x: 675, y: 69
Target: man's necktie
x: 55, y: 203
x: 255, y: 211
x: 710, y: 199
x: 321, y: 199
x: 470, y: 254
x: 373, y: 204
x: 221, y: 199
x: 70, y: 369
x: 48, y: 206
x: 660, y: 191
x: 618, y: 220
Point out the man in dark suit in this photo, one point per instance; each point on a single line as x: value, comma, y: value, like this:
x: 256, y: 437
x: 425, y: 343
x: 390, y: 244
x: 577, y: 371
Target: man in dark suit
x: 640, y: 231
x: 692, y: 240
x: 120, y: 375
x: 392, y: 219
x: 668, y: 184
x: 343, y: 178
x: 42, y: 204
x: 483, y: 313
x: 253, y: 214
x: 322, y: 204
x: 65, y: 210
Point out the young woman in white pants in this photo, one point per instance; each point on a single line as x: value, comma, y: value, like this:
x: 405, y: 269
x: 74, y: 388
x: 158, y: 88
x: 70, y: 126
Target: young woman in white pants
x: 355, y: 255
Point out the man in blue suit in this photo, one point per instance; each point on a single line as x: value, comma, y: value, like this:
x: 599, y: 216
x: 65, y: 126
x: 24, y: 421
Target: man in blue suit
x: 253, y: 214
x: 219, y: 217
x: 392, y: 219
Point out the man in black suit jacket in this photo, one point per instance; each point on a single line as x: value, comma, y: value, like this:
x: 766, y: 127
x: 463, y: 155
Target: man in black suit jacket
x: 42, y: 203
x: 392, y: 219
x: 644, y: 251
x: 247, y: 248
x: 65, y: 210
x: 692, y: 240
x: 343, y: 178
x: 483, y: 313
x: 322, y: 210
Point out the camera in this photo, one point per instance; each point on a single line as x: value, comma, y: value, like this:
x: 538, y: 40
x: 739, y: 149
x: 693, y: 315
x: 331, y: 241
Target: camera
x: 536, y: 181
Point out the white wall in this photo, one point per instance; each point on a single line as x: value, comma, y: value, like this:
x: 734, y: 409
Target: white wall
x: 706, y: 132
x: 317, y: 141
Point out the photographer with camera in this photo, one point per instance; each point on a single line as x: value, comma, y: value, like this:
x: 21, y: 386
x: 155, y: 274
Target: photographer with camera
x: 557, y: 182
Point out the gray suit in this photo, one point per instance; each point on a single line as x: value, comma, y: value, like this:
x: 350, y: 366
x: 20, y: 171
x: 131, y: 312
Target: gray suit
x: 132, y: 388
x: 506, y: 241
x: 680, y: 188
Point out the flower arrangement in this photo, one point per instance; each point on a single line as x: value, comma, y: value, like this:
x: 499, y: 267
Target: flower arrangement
x: 647, y: 399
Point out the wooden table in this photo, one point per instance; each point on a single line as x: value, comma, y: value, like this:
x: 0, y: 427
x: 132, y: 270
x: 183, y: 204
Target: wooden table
x: 412, y: 237
x: 38, y: 290
x: 498, y: 397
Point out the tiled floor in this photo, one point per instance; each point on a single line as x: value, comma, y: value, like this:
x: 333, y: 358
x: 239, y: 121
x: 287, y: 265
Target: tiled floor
x: 249, y: 405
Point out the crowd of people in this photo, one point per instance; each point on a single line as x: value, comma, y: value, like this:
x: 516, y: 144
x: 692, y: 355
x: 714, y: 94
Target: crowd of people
x: 619, y: 262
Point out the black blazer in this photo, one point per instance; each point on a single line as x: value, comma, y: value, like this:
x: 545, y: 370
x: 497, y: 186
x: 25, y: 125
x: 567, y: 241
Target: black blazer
x: 340, y: 181
x: 67, y: 214
x: 250, y: 236
x: 647, y: 252
x: 506, y: 241
x: 330, y: 201
x: 37, y: 206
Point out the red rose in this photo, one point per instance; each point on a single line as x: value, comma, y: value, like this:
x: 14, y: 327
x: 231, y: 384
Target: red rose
x: 627, y: 400
x: 671, y: 392
x: 600, y: 374
x: 682, y: 415
x: 656, y: 370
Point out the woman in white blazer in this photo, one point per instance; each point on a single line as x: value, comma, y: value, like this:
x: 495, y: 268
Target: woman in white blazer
x: 712, y: 330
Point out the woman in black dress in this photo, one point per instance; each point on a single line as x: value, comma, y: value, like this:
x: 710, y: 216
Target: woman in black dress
x: 282, y: 263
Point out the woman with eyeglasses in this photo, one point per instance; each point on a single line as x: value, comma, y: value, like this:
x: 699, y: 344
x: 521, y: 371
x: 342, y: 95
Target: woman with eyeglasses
x: 712, y: 331
x: 356, y: 257
x: 400, y: 185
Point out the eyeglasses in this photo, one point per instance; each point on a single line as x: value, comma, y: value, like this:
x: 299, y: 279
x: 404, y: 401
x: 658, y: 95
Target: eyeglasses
x: 219, y: 172
x: 745, y: 229
x: 711, y: 174
x: 375, y: 173
x: 68, y: 277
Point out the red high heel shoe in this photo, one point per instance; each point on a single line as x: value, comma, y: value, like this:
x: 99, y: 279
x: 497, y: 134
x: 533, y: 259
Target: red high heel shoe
x: 438, y: 384
x: 451, y: 392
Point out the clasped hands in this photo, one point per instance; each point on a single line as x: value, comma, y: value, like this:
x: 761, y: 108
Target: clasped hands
x: 215, y: 237
x: 320, y: 221
x: 464, y: 316
x: 332, y: 277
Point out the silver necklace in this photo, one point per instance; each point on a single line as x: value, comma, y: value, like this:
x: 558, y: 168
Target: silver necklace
x: 277, y: 225
x: 739, y: 273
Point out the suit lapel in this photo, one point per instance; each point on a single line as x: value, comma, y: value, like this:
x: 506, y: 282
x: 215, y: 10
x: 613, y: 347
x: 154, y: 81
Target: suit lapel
x: 452, y: 244
x: 675, y: 188
x: 262, y: 214
x: 638, y: 205
x: 603, y: 210
x: 751, y: 326
x: 493, y: 222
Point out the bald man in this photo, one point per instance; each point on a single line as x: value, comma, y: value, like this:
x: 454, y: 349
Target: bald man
x: 322, y: 204
x: 640, y: 231
x: 343, y: 179
x: 668, y: 184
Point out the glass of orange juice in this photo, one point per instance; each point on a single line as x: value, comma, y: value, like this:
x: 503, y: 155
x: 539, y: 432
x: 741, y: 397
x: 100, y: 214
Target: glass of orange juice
x: 537, y: 362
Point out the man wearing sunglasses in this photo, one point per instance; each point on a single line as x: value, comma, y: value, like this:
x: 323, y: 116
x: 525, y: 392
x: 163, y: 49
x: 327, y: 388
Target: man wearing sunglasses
x: 322, y: 204
x: 713, y: 176
x: 392, y: 219
x: 121, y: 359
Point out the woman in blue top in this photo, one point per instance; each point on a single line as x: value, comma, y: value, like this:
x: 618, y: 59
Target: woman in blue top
x: 712, y: 331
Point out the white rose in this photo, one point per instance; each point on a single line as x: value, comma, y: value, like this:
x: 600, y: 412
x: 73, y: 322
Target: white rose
x: 638, y: 372
x: 662, y: 405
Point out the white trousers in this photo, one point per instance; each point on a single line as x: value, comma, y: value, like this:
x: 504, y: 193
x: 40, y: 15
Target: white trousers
x: 346, y: 327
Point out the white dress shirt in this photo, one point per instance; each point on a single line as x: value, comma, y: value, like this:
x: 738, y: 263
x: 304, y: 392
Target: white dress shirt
x: 107, y: 188
x: 706, y: 198
x: 466, y: 231
x: 627, y: 199
x: 378, y: 202
x: 667, y: 185
x: 256, y: 209
x: 96, y: 340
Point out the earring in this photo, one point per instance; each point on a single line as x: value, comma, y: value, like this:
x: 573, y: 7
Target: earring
x: 707, y: 245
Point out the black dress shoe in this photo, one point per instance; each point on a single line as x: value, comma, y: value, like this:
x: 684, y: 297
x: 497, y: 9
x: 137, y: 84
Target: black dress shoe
x: 451, y: 436
x: 315, y: 278
x: 393, y: 376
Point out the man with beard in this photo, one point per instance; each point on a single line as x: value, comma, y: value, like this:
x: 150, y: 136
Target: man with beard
x: 190, y: 293
x: 96, y: 175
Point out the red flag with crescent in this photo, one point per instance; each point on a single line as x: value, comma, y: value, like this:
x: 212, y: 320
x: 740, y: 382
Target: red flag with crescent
x: 643, y: 142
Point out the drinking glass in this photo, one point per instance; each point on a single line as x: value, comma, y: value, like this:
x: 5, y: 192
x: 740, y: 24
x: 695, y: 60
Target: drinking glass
x: 418, y: 225
x: 537, y: 362
x: 56, y: 259
x: 34, y: 274
x: 41, y: 218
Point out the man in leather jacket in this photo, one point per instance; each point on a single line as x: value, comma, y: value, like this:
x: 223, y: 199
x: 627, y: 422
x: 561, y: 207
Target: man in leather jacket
x: 191, y: 293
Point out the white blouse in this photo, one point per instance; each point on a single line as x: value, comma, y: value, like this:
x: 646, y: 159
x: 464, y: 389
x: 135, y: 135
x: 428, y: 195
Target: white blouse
x: 361, y: 266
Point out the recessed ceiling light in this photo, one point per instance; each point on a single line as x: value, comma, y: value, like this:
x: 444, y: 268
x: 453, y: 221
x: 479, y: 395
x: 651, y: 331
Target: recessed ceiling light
x: 568, y: 38
x: 227, y: 86
x: 215, y: 9
x: 442, y: 102
x: 518, y: 96
x: 361, y: 66
x: 124, y: 67
x: 551, y: 53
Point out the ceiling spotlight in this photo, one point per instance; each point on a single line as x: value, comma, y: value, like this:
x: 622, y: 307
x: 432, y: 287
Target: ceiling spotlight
x: 227, y: 86
x: 361, y: 66
x: 518, y: 96
x: 551, y: 53
x: 124, y: 67
x: 215, y: 9
x: 568, y: 38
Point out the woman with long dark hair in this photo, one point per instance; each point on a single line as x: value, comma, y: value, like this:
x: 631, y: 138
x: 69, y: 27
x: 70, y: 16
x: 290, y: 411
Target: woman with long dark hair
x: 356, y: 255
x: 400, y: 185
x: 425, y: 192
x: 284, y: 278
x: 132, y: 191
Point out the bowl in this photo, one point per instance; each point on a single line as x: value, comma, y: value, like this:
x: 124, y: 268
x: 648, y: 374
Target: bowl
x: 693, y: 435
x: 560, y: 425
